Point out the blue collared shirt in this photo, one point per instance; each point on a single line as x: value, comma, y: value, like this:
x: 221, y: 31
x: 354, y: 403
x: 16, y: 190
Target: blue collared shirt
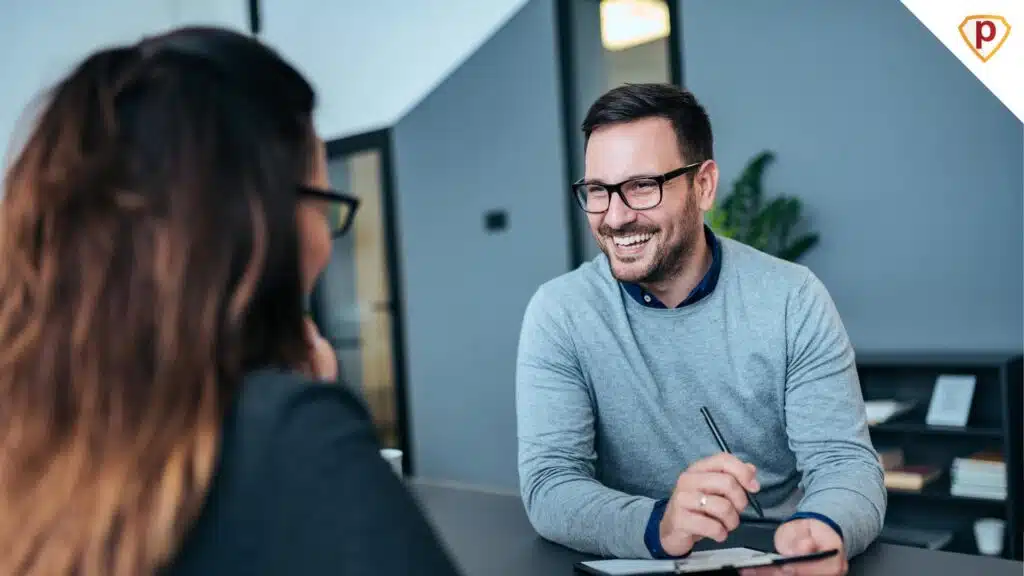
x: 700, y: 291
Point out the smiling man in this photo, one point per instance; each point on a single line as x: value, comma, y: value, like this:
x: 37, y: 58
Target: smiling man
x: 617, y: 357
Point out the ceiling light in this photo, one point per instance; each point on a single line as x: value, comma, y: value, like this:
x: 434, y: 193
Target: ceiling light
x: 627, y: 23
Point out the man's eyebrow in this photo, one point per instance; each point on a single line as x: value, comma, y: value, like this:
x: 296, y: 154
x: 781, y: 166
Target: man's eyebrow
x: 631, y: 177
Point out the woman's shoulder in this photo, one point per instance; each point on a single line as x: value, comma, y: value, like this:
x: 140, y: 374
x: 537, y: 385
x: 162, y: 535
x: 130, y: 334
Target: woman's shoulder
x: 270, y: 399
x: 278, y: 435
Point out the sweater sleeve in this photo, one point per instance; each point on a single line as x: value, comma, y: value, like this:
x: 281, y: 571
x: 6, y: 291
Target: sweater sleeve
x: 564, y: 501
x: 336, y: 507
x: 826, y: 420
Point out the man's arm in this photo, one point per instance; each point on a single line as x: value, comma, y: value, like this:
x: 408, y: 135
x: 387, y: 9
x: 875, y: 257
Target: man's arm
x: 564, y: 501
x: 826, y: 421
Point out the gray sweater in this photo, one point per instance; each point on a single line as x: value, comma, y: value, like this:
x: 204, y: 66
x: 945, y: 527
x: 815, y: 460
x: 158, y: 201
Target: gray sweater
x: 608, y: 393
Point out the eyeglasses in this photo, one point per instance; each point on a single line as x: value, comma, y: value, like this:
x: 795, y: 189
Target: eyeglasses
x: 637, y: 193
x: 341, y: 208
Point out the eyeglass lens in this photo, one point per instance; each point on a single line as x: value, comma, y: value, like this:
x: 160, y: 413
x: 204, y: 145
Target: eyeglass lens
x: 340, y: 216
x: 639, y: 194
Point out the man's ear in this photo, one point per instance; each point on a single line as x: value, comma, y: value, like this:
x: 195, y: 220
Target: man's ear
x: 706, y: 183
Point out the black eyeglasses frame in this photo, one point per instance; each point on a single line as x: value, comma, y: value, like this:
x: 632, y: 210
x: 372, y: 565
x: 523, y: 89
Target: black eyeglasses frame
x: 661, y: 179
x: 336, y: 197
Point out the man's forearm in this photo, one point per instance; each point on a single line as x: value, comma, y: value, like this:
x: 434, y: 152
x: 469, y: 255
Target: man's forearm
x: 577, y: 511
x: 854, y: 499
x: 826, y: 421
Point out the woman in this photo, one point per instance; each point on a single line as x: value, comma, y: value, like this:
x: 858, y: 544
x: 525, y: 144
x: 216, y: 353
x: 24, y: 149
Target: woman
x: 158, y: 233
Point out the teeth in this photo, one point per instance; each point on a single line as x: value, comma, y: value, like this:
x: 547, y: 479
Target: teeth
x: 630, y: 240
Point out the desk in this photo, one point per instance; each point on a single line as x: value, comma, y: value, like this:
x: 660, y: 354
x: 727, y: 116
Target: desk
x: 489, y: 533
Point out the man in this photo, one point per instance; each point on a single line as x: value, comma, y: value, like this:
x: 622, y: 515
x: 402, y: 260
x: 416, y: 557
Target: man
x: 617, y: 357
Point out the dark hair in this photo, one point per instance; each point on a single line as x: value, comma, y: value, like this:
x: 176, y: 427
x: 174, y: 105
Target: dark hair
x: 149, y: 257
x: 632, y: 102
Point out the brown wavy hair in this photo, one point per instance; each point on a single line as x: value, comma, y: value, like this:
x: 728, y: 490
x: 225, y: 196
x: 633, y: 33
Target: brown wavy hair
x: 148, y: 260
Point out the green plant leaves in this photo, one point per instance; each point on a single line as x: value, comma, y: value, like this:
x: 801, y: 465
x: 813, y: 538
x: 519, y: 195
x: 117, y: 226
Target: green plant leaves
x: 744, y: 216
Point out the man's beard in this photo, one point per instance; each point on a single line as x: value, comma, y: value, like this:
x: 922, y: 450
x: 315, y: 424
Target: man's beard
x: 668, y: 260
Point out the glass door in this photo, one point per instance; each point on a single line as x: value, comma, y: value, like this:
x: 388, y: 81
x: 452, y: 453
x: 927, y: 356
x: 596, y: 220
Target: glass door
x: 352, y: 302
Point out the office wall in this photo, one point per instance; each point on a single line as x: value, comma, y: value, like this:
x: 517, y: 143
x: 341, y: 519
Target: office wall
x: 910, y: 169
x: 41, y: 41
x: 488, y: 138
x: 372, y: 61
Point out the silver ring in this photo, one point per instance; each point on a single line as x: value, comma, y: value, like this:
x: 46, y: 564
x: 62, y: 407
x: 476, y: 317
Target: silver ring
x: 703, y: 501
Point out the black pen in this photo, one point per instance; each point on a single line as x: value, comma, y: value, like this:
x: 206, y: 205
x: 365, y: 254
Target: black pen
x: 725, y: 448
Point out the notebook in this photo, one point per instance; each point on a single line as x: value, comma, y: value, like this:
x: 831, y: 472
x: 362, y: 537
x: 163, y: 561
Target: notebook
x: 702, y: 562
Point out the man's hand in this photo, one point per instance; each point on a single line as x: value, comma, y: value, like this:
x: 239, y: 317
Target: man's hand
x: 804, y: 536
x: 706, y: 502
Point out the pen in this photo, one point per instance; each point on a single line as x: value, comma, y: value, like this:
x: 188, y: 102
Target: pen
x: 725, y: 448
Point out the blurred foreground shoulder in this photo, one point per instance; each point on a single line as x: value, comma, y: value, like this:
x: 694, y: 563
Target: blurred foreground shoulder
x: 302, y: 489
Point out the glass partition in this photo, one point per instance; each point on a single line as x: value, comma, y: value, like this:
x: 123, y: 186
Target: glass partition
x: 352, y: 302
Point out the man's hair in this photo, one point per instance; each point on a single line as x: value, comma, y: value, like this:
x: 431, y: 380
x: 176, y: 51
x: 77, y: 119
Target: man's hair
x: 632, y: 102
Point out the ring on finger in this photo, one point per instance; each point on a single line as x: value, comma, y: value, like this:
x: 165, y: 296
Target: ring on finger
x: 703, y: 501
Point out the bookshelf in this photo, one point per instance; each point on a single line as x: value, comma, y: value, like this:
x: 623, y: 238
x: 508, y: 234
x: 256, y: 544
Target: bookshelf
x: 994, y: 423
x: 919, y: 427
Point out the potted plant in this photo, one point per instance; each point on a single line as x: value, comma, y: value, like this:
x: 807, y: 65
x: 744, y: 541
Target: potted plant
x: 772, y: 226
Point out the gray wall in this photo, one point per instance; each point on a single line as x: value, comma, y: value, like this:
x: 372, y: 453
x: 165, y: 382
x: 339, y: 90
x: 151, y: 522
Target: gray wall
x: 489, y: 137
x: 910, y: 168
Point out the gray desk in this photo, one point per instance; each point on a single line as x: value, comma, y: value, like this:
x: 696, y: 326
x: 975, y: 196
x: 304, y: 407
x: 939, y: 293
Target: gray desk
x: 489, y: 533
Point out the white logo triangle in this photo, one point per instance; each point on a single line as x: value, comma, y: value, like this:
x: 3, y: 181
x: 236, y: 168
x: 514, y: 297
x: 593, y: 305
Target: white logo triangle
x: 987, y: 36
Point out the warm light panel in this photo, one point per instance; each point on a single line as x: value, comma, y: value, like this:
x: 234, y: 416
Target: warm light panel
x: 627, y: 23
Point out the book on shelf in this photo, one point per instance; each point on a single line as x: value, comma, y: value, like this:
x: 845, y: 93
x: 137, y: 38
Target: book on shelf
x: 890, y: 458
x: 911, y: 478
x: 978, y: 492
x: 980, y: 475
x: 991, y: 461
x: 879, y: 411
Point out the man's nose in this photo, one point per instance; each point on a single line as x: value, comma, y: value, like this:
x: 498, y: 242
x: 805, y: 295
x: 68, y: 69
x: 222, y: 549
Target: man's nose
x: 618, y: 213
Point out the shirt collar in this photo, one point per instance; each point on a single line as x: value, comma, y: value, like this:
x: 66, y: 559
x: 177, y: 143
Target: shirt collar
x: 703, y: 288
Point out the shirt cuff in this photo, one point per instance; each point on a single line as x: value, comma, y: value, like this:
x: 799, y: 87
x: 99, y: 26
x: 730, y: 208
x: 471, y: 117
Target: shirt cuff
x: 652, y: 534
x: 816, y: 516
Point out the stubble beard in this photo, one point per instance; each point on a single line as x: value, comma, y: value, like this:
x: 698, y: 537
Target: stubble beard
x: 668, y: 260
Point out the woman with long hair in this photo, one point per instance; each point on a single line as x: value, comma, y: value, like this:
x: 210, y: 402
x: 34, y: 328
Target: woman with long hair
x: 167, y: 407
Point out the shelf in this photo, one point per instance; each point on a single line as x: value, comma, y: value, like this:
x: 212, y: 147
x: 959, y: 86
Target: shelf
x: 919, y: 359
x: 912, y: 427
x: 938, y: 491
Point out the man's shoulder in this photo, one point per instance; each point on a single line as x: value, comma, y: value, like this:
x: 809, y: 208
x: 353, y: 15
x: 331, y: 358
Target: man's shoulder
x: 768, y: 271
x: 777, y: 285
x: 588, y: 285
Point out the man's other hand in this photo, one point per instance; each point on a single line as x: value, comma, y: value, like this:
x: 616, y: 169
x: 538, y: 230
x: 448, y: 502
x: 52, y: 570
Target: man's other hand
x: 805, y: 536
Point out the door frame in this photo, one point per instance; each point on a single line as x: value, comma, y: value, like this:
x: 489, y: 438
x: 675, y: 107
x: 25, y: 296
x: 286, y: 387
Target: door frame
x: 380, y: 141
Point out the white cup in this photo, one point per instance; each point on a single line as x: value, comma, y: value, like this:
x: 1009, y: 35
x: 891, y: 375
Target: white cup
x: 393, y: 457
x: 988, y: 532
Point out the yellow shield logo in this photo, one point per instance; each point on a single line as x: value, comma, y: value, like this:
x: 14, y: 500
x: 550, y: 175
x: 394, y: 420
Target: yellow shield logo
x: 985, y: 34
